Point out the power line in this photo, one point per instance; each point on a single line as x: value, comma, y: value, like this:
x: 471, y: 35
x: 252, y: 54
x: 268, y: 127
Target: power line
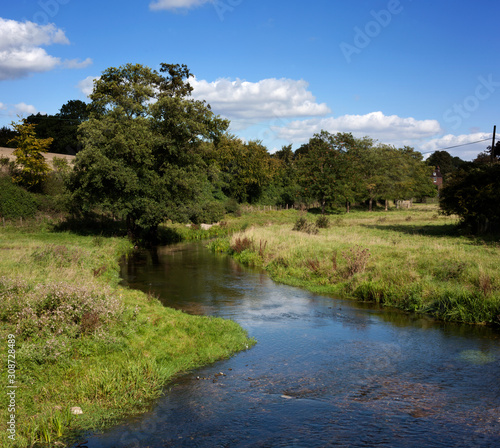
x: 457, y: 146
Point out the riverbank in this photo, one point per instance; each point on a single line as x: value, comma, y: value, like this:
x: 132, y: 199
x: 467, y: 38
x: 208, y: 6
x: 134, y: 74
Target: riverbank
x: 413, y: 260
x: 82, y: 341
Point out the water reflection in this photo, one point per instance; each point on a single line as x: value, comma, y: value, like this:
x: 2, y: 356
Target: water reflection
x: 325, y: 372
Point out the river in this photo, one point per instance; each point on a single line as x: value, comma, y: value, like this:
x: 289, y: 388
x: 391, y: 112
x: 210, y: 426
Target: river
x: 324, y: 372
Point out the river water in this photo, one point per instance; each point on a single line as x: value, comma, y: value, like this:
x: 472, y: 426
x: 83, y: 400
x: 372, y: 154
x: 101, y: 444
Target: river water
x: 324, y: 372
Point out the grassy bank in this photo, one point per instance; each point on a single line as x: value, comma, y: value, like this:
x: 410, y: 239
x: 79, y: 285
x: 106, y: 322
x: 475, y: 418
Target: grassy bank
x: 414, y: 260
x: 83, y: 341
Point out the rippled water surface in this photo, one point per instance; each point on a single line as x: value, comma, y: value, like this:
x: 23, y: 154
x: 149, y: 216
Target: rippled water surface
x: 324, y: 373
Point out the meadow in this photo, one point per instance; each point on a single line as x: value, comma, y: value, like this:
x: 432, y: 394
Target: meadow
x: 81, y: 340
x: 415, y: 259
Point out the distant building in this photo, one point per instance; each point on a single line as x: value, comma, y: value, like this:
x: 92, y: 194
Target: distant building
x: 437, y: 177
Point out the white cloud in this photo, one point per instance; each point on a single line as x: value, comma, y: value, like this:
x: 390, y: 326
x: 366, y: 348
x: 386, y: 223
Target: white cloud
x: 87, y: 85
x: 386, y: 129
x: 2, y: 106
x: 76, y: 63
x: 177, y: 4
x: 23, y: 109
x: 265, y: 99
x: 20, y: 49
x: 465, y: 146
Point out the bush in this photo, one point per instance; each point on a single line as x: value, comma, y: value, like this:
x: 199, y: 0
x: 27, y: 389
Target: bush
x: 207, y: 213
x: 232, y: 206
x: 302, y: 225
x: 356, y: 258
x: 323, y: 222
x: 15, y: 202
x: 472, y: 194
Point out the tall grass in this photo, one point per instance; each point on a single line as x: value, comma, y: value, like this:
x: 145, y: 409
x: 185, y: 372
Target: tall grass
x: 413, y: 260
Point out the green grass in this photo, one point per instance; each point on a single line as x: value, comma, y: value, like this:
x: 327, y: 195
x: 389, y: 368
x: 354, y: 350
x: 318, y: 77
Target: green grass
x: 414, y: 260
x: 82, y: 340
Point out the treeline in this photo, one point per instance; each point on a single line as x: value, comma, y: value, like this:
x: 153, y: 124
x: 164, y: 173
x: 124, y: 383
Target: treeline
x: 148, y: 152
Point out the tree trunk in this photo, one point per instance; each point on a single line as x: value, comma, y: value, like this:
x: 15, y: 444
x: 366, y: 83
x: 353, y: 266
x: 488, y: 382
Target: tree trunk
x: 370, y: 205
x: 347, y: 207
x: 386, y: 205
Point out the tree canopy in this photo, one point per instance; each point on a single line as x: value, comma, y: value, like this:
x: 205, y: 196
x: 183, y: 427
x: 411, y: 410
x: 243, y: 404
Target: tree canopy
x: 62, y: 127
x: 142, y: 147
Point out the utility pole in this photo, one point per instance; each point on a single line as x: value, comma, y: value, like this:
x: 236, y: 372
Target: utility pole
x: 493, y: 144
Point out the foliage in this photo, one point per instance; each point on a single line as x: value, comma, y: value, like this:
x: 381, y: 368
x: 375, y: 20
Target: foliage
x: 323, y: 222
x: 62, y: 127
x: 16, y: 202
x: 326, y: 171
x: 245, y: 168
x: 142, y: 148
x: 31, y: 167
x: 472, y: 194
x: 447, y: 164
x: 303, y: 225
x: 208, y: 212
x: 6, y: 136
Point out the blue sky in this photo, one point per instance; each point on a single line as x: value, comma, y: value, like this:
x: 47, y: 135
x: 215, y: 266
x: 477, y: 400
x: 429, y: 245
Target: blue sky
x: 405, y: 72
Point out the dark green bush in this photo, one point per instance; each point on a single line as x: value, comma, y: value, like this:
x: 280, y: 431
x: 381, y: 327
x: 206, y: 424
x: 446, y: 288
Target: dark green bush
x: 207, y: 213
x: 15, y: 202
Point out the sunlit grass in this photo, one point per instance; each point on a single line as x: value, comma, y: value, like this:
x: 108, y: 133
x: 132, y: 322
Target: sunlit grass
x: 82, y: 340
x: 411, y: 259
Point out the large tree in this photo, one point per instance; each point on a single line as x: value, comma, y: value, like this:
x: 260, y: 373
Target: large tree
x: 245, y: 168
x: 327, y: 169
x: 141, y: 159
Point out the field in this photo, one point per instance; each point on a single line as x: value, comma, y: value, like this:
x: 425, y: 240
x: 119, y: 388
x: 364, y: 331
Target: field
x: 414, y: 259
x: 49, y: 156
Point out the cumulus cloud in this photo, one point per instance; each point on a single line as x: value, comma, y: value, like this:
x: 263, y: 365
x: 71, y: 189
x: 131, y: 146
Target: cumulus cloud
x: 177, y: 4
x: 20, y: 49
x: 265, y: 99
x: 386, y: 129
x: 23, y: 109
x: 465, y: 146
x: 87, y: 85
x: 76, y: 63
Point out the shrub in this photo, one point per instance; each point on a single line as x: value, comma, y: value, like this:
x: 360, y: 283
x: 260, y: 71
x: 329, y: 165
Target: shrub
x: 46, y: 317
x: 232, y: 206
x: 323, y: 222
x: 207, y: 213
x: 241, y: 244
x: 15, y: 202
x: 356, y: 259
x: 302, y: 225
